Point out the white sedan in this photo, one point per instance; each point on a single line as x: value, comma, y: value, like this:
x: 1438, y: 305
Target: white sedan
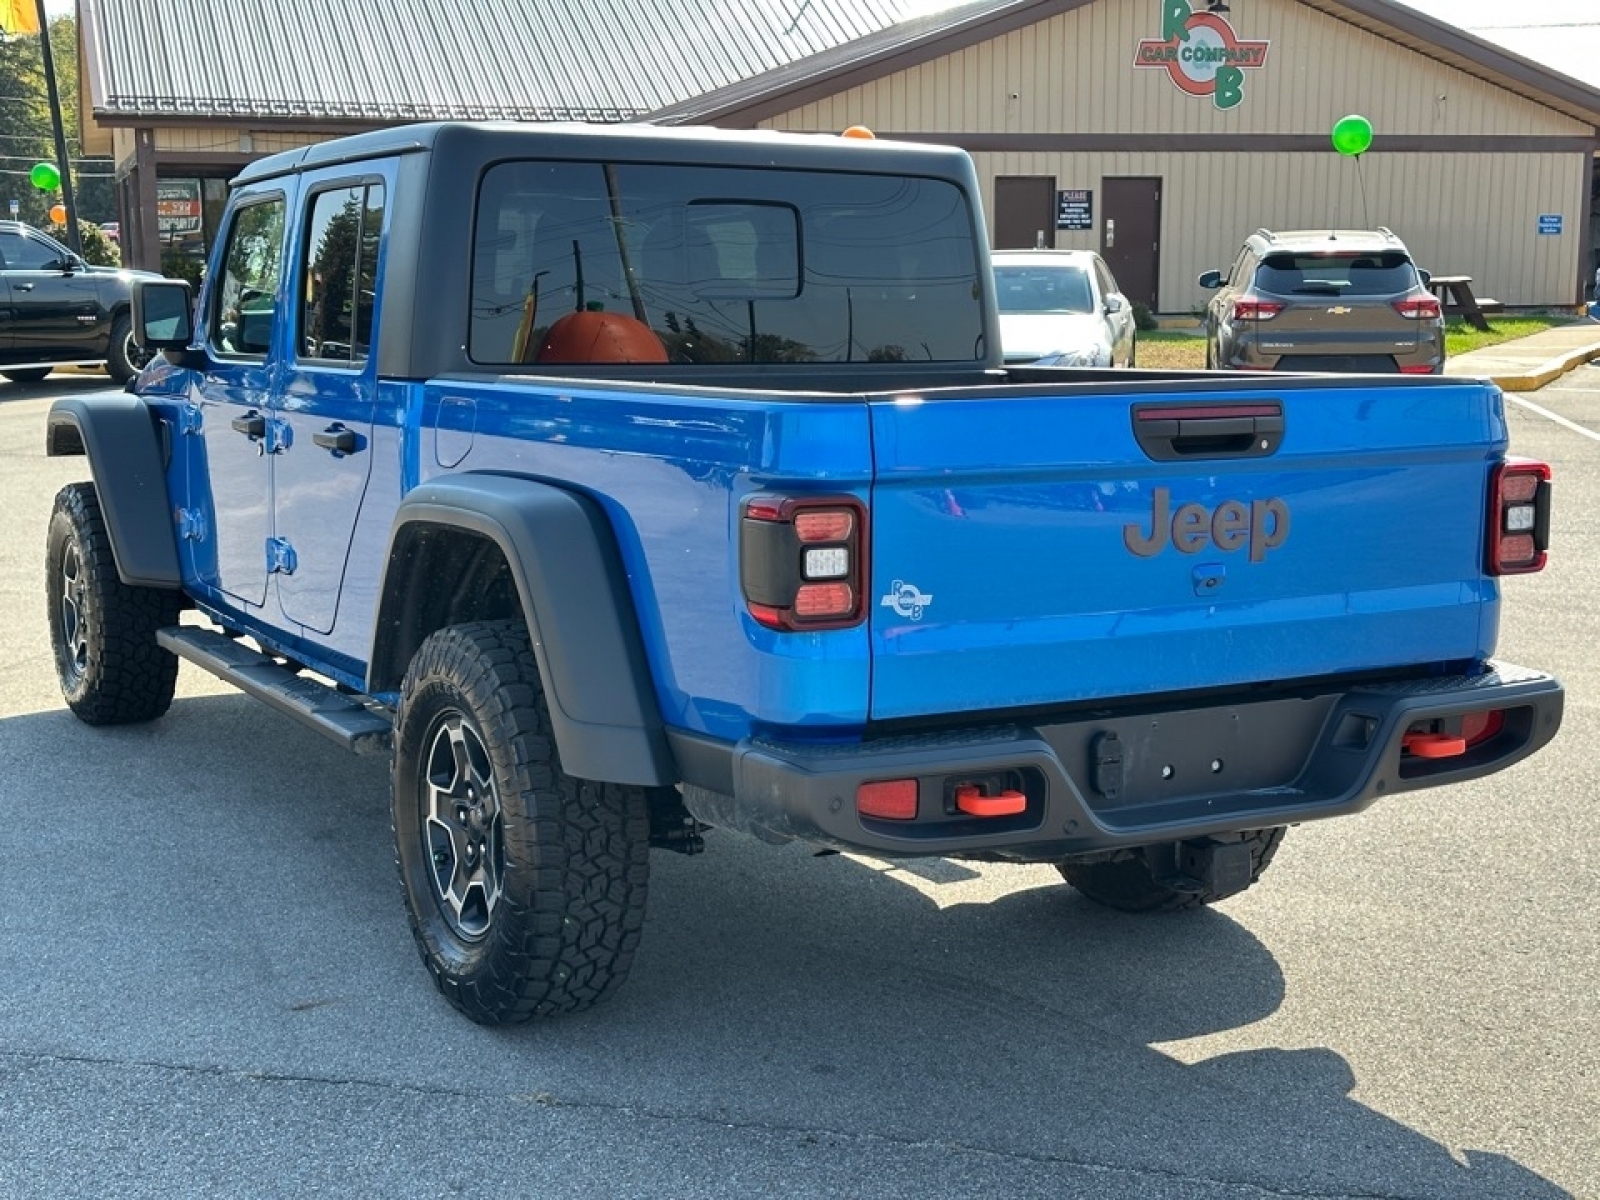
x: 1062, y: 308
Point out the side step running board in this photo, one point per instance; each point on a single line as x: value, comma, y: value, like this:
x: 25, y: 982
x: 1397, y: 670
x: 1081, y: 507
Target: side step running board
x: 329, y: 711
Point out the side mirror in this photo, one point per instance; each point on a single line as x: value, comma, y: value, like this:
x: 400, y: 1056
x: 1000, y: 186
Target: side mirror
x: 163, y: 319
x: 1115, y: 303
x: 1210, y: 279
x: 163, y: 314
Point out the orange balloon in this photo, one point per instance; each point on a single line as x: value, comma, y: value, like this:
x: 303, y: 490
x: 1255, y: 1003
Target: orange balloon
x: 600, y: 337
x: 58, y: 213
x: 858, y: 131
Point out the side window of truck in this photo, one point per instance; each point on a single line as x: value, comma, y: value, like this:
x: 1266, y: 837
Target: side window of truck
x: 340, y: 273
x: 19, y: 252
x: 246, y: 295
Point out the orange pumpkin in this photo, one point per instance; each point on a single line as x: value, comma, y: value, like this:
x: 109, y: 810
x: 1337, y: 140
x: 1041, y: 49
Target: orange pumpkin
x: 600, y: 337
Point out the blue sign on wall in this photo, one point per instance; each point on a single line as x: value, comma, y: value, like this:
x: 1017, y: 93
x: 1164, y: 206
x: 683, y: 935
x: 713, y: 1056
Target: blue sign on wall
x: 1549, y: 223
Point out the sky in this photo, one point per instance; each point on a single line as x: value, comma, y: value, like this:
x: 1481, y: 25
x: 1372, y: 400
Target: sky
x: 1563, y: 35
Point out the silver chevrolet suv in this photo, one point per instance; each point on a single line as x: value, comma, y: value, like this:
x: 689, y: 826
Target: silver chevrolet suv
x: 1323, y: 300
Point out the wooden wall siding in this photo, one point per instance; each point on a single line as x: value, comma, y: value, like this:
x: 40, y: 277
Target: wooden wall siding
x: 224, y: 140
x: 211, y: 139
x: 1209, y: 203
x: 1074, y: 74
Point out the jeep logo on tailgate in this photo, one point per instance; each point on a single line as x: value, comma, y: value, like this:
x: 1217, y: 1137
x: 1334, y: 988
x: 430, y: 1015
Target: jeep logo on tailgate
x: 1261, y: 524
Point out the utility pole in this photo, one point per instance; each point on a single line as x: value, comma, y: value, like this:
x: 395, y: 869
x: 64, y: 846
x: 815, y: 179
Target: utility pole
x: 60, y: 132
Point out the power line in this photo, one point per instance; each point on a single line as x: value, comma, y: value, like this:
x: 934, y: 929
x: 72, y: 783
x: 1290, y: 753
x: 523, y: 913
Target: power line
x: 79, y: 174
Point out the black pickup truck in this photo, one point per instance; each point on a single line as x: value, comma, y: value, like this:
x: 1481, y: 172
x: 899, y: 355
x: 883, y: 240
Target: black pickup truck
x: 57, y: 310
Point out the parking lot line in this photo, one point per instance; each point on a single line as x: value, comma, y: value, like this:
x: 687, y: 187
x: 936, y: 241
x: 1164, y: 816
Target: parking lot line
x: 1559, y: 420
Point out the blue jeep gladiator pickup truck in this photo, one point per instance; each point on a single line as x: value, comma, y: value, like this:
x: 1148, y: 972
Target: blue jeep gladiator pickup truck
x: 622, y: 482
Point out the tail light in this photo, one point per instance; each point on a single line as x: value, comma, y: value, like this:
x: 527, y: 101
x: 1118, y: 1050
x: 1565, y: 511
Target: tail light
x: 1416, y: 369
x: 1519, y: 517
x: 1249, y: 308
x: 1419, y: 308
x: 888, y: 800
x: 802, y: 561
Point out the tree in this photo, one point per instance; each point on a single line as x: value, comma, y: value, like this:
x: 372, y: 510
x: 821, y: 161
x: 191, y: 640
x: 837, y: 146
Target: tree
x: 29, y: 139
x: 27, y: 136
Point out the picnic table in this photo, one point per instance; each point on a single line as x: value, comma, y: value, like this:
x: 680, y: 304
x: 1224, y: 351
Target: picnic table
x: 1455, y: 295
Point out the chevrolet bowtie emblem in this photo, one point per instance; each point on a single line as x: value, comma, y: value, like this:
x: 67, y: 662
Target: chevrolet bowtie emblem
x: 1340, y: 310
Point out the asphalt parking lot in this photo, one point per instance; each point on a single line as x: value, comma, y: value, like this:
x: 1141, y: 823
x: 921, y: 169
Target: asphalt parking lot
x: 208, y: 986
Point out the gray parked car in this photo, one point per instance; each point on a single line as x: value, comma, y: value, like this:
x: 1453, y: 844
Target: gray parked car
x: 1339, y: 300
x: 57, y: 310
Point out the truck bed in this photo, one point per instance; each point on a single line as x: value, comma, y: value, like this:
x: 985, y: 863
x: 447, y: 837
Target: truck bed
x: 1030, y: 513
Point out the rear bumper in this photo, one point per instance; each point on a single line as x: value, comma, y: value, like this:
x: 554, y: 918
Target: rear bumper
x: 1100, y: 781
x: 1383, y: 356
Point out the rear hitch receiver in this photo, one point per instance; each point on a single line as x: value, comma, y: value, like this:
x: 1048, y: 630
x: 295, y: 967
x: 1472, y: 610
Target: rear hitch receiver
x: 1202, y: 866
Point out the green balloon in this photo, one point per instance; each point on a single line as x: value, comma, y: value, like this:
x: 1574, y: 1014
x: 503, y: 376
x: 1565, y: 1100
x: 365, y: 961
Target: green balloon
x: 45, y: 177
x: 1352, y: 135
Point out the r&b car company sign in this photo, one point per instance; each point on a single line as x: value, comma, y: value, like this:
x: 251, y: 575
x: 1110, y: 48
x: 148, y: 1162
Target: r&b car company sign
x: 1200, y: 51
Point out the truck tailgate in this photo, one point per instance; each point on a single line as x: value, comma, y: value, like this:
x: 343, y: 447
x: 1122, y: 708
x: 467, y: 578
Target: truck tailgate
x: 1037, y: 546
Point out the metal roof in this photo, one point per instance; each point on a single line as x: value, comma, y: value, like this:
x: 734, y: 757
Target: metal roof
x: 402, y: 60
x: 898, y: 47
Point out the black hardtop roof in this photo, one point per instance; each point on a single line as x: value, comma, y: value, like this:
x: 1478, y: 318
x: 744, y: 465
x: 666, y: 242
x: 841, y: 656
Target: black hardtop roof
x: 622, y: 142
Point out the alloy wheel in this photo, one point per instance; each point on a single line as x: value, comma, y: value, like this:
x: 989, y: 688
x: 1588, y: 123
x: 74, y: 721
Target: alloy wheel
x: 462, y: 826
x: 74, y: 629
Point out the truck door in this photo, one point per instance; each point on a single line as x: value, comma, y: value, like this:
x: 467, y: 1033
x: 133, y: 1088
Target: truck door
x: 328, y: 394
x: 230, y: 477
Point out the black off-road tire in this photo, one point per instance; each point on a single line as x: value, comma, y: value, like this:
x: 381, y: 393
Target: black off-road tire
x: 124, y: 359
x: 544, y: 916
x: 103, y: 631
x: 1125, y: 882
x: 26, y: 374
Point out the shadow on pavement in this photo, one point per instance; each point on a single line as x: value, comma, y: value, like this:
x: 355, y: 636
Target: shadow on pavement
x: 58, y: 383
x: 225, y: 895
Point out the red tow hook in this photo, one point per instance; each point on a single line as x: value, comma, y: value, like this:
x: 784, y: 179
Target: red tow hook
x: 972, y: 801
x: 1433, y: 745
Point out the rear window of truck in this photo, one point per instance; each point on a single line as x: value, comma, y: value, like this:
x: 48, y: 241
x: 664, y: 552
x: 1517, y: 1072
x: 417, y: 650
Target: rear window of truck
x: 691, y: 265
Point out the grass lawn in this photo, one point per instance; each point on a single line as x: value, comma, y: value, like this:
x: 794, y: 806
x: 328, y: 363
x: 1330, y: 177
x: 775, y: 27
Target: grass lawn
x: 1187, y: 351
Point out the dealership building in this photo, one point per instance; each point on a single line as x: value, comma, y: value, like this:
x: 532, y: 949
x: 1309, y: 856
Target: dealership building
x: 1159, y: 132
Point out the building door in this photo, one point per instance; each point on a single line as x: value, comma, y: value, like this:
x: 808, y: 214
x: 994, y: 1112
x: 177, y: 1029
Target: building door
x: 1130, y: 236
x: 1024, y: 212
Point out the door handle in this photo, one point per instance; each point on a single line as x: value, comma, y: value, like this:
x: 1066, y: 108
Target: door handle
x: 1111, y: 235
x: 252, y: 425
x: 23, y: 287
x: 336, y: 438
x: 1174, y: 432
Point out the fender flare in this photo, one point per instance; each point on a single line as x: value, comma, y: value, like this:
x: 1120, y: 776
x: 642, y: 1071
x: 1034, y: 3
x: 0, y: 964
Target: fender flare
x: 128, y: 465
x: 569, y: 577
